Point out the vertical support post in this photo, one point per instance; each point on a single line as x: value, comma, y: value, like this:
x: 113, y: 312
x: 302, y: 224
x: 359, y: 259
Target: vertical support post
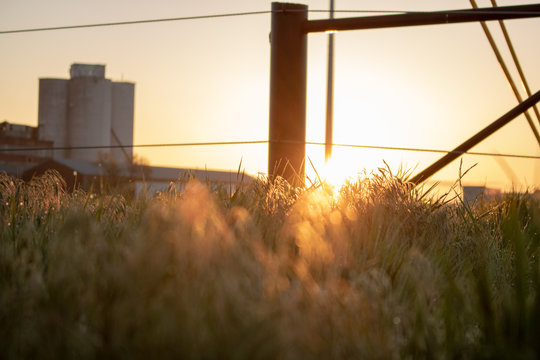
x: 288, y: 78
x: 330, y: 93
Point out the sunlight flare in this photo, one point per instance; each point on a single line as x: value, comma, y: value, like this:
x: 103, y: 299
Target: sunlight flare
x: 336, y: 171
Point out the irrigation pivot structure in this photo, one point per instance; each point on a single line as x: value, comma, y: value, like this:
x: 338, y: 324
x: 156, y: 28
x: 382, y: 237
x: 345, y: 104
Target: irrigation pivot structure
x: 288, y: 69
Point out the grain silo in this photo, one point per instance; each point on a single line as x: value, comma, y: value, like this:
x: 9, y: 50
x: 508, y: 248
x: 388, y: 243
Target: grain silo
x: 52, y: 113
x: 87, y: 110
x: 122, y: 120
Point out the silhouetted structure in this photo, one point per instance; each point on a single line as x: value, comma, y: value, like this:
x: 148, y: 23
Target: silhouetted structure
x: 288, y: 63
x: 94, y: 175
x: 15, y: 136
x: 86, y: 110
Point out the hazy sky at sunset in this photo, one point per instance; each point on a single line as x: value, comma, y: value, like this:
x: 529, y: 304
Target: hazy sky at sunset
x: 207, y: 80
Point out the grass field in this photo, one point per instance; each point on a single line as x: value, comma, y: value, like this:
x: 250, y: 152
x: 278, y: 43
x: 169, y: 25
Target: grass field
x: 375, y: 270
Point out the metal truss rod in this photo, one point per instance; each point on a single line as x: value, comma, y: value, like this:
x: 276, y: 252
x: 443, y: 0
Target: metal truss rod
x: 516, y: 62
x: 424, y: 18
x: 473, y: 141
x: 506, y: 72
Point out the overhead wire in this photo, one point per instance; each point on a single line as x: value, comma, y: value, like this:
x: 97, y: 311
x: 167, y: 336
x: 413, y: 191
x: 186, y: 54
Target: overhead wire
x: 134, y: 22
x: 396, y: 148
x: 254, y: 142
x: 93, y: 147
x: 237, y: 14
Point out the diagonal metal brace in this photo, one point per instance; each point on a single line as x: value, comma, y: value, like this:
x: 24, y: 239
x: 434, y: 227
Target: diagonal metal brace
x: 476, y: 139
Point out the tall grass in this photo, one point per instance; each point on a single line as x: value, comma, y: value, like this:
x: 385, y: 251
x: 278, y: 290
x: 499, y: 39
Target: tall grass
x: 376, y: 269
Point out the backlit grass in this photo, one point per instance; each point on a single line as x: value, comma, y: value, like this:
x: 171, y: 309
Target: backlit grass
x: 375, y: 270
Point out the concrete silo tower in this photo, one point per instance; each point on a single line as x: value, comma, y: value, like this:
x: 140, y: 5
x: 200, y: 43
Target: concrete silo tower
x: 52, y: 113
x: 87, y: 110
x: 123, y: 101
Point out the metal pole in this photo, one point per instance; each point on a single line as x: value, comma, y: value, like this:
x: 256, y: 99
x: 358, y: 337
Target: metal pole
x: 517, y: 63
x: 506, y: 71
x: 330, y: 93
x: 484, y: 133
x: 425, y: 18
x: 288, y: 78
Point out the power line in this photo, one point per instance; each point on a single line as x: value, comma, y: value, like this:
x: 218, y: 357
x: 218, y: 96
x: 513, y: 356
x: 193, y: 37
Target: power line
x: 93, y: 147
x: 217, y: 143
x: 133, y: 22
x: 215, y: 16
x: 428, y: 150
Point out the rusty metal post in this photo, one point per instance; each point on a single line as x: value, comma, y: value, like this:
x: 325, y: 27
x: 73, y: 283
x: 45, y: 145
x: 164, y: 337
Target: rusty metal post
x: 288, y: 78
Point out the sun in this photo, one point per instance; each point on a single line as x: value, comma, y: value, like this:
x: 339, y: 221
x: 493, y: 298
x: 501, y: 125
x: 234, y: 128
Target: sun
x: 344, y: 164
x: 347, y: 164
x: 336, y: 172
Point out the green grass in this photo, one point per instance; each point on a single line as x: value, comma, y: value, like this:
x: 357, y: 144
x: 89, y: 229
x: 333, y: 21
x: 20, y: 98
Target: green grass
x: 375, y: 270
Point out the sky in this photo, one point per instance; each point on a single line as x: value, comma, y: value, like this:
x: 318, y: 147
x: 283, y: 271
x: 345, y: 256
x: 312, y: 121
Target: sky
x: 208, y: 80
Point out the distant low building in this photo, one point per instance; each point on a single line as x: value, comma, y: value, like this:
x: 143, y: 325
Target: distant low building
x: 91, y: 175
x: 16, y: 136
x: 475, y: 193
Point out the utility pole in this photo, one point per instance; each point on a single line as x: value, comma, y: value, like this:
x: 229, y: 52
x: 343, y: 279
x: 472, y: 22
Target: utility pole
x: 330, y: 93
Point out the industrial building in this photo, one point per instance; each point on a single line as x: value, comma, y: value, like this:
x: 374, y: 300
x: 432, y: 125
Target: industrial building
x: 14, y: 137
x: 479, y: 193
x: 87, y: 110
x: 90, y: 175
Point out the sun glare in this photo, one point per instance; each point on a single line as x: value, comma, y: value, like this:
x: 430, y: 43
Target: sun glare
x: 336, y: 171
